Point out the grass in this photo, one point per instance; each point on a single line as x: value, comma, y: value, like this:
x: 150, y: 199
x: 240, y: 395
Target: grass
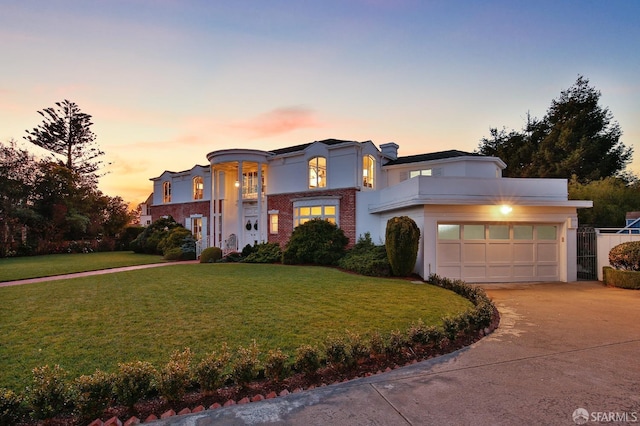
x: 95, y: 322
x: 18, y: 268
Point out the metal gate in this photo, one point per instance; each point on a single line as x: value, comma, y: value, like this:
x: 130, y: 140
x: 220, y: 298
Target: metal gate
x: 587, y: 254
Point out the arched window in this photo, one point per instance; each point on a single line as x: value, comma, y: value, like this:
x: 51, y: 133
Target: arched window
x: 198, y: 188
x: 368, y: 171
x: 166, y: 192
x: 318, y: 172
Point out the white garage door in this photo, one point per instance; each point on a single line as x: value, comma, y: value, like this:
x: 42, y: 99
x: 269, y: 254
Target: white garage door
x: 498, y: 252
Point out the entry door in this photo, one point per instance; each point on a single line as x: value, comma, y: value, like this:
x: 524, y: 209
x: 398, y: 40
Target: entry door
x: 250, y: 230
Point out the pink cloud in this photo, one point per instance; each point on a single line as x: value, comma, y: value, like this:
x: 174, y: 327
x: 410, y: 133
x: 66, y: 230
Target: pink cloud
x: 279, y: 121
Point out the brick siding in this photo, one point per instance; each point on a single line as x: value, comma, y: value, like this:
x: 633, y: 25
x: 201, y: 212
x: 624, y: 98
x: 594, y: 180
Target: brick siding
x: 179, y: 211
x: 284, y: 204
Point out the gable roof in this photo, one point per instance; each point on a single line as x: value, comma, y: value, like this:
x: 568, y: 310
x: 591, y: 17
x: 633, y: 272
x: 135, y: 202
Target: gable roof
x: 303, y: 146
x: 432, y: 156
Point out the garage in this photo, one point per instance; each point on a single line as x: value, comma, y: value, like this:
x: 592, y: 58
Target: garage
x: 498, y: 252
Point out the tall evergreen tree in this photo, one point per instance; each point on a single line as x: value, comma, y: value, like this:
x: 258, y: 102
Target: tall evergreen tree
x: 66, y: 133
x: 576, y: 137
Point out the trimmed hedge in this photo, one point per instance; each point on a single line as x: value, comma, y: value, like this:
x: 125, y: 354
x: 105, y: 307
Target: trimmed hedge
x: 623, y: 279
x: 402, y: 238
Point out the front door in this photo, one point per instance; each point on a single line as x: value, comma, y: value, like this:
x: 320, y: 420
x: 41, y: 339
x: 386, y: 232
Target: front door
x: 250, y: 230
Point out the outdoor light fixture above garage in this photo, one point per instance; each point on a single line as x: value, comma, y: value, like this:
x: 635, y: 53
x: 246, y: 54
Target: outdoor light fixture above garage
x: 505, y: 209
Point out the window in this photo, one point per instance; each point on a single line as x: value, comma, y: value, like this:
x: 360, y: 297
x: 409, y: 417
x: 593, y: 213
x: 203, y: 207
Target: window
x: 414, y: 173
x: 166, y: 192
x: 523, y: 232
x: 547, y: 232
x: 368, y: 171
x: 318, y: 172
x: 273, y: 223
x: 250, y: 184
x: 498, y: 232
x: 198, y: 188
x: 448, y: 232
x: 473, y: 232
x: 304, y: 214
x: 196, y: 228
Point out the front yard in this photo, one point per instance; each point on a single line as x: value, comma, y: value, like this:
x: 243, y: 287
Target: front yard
x: 91, y: 323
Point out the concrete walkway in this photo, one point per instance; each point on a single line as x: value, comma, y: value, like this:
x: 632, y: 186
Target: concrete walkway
x: 90, y: 273
x: 559, y: 347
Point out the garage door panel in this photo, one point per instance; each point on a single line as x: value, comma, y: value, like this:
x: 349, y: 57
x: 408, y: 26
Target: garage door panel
x: 524, y: 271
x: 499, y: 271
x: 474, y: 252
x: 523, y: 252
x: 474, y: 272
x: 547, y: 252
x: 498, y: 252
x: 449, y: 252
x: 548, y: 271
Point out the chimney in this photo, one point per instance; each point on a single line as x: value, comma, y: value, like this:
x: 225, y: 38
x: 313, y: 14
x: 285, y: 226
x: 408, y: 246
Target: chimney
x: 390, y: 150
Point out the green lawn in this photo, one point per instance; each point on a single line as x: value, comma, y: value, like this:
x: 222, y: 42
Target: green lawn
x: 95, y: 322
x: 17, y: 268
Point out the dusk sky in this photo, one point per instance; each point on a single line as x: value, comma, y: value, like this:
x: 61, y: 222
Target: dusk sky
x: 169, y: 81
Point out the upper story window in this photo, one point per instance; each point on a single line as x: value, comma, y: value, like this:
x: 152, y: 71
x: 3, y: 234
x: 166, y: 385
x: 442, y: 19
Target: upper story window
x: 250, y: 184
x: 198, y: 188
x: 166, y: 192
x: 368, y: 171
x: 318, y: 172
x: 425, y: 172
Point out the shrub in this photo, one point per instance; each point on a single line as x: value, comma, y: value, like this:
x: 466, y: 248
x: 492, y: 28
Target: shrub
x: 626, y: 256
x: 93, y: 394
x: 336, y: 351
x: 307, y: 359
x: 357, y: 349
x: 134, y: 381
x: 397, y: 342
x: 622, y: 279
x: 148, y: 240
x: 377, y: 343
x: 49, y: 394
x: 265, y: 253
x: 11, y: 408
x: 402, y: 237
x: 419, y: 333
x: 247, y: 250
x: 275, y: 367
x: 173, y: 254
x: 232, y: 257
x: 210, y: 255
x: 175, y: 378
x: 317, y: 241
x: 246, y: 365
x: 176, y: 237
x: 210, y: 371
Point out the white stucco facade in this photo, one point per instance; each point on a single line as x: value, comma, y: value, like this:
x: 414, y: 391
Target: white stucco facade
x: 475, y: 224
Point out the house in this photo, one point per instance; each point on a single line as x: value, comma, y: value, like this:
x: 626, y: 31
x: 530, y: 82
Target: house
x: 475, y: 225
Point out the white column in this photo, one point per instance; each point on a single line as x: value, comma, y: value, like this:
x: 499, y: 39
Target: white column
x: 240, y: 238
x: 261, y: 226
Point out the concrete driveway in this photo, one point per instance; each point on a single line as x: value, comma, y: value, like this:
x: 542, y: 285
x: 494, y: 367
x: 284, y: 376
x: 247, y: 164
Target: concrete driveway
x: 560, y: 347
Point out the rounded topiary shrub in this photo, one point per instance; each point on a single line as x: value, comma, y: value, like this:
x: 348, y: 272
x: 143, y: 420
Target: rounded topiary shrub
x: 317, y: 241
x: 401, y: 241
x: 210, y: 255
x: 626, y: 256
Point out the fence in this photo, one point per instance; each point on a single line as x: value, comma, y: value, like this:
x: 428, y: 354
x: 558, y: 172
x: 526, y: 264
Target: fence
x: 608, y: 238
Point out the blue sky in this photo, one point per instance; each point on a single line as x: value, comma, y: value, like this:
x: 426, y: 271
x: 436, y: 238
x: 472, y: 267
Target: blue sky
x: 169, y: 81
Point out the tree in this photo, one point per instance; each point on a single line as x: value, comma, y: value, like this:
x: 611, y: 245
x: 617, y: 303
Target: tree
x: 402, y: 239
x: 612, y: 198
x: 18, y: 172
x: 576, y: 137
x: 66, y: 132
